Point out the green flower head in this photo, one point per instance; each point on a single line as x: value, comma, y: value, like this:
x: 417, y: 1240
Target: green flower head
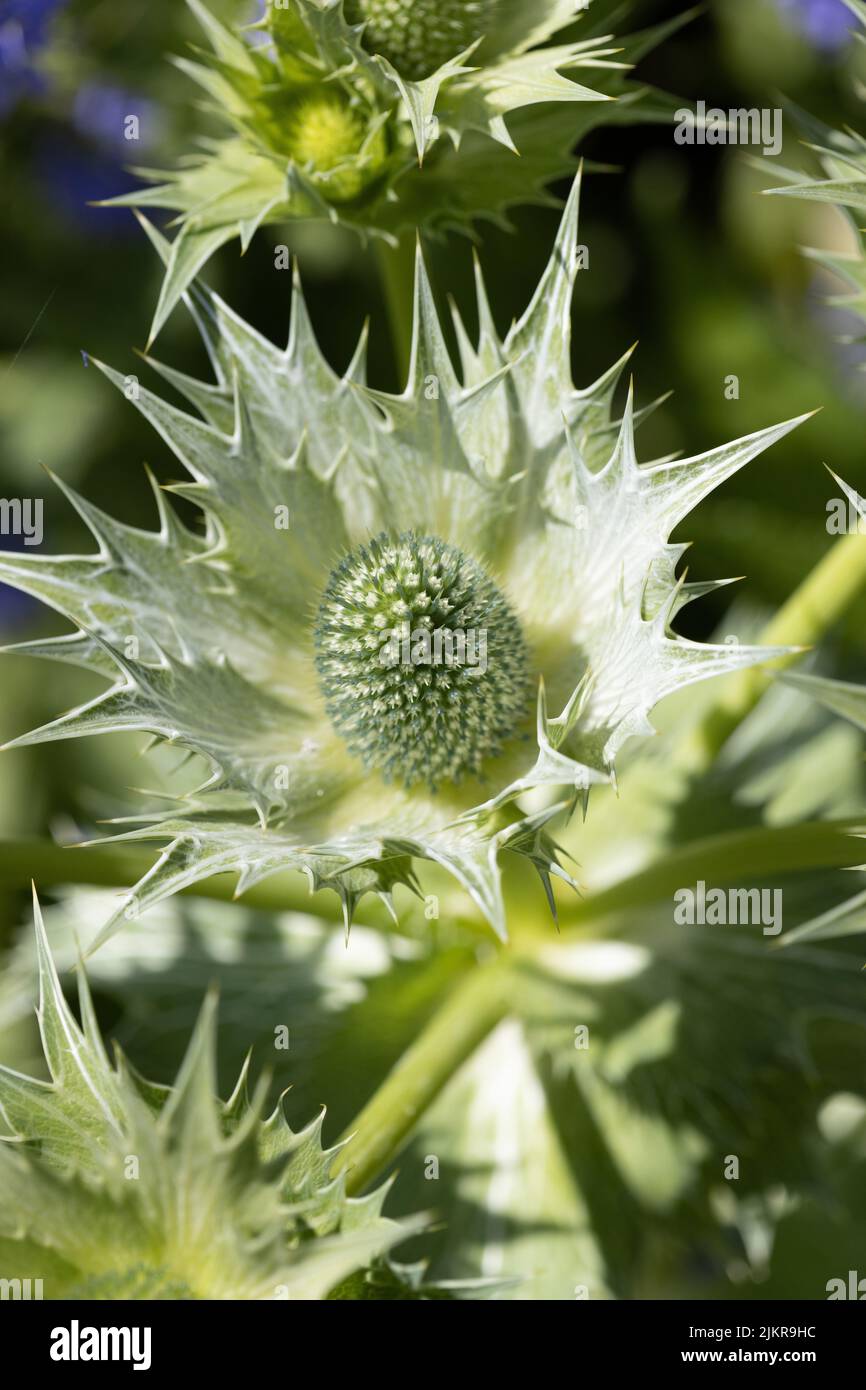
x: 416, y: 627
x: 335, y: 113
x: 403, y: 659
x: 419, y: 36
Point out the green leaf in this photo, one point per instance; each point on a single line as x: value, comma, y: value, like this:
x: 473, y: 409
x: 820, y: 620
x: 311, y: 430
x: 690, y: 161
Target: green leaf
x: 139, y: 1191
x: 842, y: 697
x: 599, y: 1123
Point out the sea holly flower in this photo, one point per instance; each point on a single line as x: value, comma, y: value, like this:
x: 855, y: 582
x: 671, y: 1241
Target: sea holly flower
x: 335, y: 116
x: 503, y: 516
x: 117, y: 1188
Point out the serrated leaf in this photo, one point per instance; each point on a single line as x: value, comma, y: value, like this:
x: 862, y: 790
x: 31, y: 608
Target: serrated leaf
x: 136, y: 1191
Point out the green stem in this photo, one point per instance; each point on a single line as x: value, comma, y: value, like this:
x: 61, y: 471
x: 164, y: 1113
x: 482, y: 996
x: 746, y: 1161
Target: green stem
x: 811, y: 611
x: 469, y: 1014
x: 397, y: 272
x: 482, y: 999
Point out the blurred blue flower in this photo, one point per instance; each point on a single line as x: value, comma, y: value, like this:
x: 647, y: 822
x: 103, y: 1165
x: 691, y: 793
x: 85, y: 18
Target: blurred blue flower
x: 257, y: 12
x: 31, y: 16
x: 23, y: 31
x: 101, y: 113
x: 16, y: 608
x: 75, y: 177
x: 826, y: 24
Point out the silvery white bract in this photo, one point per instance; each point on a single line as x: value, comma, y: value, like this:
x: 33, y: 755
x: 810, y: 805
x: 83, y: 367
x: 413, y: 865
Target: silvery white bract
x: 532, y: 481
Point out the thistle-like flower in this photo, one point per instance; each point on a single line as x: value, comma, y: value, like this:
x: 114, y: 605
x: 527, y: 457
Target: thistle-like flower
x: 117, y: 1188
x: 334, y: 116
x: 418, y: 626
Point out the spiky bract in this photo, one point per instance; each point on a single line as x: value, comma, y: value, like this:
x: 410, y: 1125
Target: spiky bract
x: 535, y: 481
x: 332, y: 119
x: 116, y: 1188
